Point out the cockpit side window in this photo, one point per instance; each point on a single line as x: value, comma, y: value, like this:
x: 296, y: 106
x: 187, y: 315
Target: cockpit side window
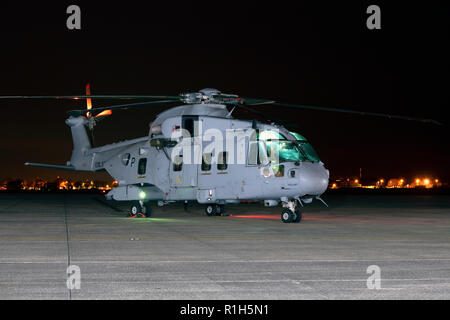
x: 270, y: 135
x: 306, y: 148
x: 280, y: 150
x: 257, y: 153
x: 284, y: 151
x: 298, y: 136
x: 309, y: 151
x: 278, y: 171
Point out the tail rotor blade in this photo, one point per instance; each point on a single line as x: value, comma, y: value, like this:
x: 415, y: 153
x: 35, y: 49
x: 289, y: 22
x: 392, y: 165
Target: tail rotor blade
x: 88, y: 100
x: 104, y: 114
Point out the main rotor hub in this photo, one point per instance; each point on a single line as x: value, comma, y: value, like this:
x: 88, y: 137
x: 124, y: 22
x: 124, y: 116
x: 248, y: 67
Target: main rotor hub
x: 208, y: 95
x: 209, y: 92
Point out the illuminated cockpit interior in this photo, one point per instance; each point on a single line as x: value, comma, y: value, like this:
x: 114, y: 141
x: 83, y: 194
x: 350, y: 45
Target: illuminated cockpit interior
x: 280, y: 149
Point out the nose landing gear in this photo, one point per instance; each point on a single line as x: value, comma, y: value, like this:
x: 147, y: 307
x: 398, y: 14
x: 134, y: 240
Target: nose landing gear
x: 290, y: 212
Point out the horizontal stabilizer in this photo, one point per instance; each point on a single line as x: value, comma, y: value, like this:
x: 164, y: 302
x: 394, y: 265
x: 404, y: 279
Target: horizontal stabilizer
x: 50, y: 166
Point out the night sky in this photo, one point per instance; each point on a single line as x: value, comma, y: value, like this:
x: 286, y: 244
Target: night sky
x: 322, y: 55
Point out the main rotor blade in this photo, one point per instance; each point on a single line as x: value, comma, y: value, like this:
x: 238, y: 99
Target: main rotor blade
x: 265, y: 116
x: 250, y: 101
x: 363, y: 113
x: 120, y: 106
x: 255, y: 102
x: 110, y: 97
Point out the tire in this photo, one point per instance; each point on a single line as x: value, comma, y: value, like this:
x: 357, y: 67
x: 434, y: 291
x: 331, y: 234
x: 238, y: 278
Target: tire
x: 134, y: 210
x: 287, y: 216
x: 146, y: 211
x: 211, y: 210
x: 223, y: 211
x: 298, y: 216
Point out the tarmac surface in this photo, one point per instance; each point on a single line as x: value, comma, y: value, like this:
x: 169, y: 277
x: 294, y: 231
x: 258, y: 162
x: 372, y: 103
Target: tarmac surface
x: 248, y: 255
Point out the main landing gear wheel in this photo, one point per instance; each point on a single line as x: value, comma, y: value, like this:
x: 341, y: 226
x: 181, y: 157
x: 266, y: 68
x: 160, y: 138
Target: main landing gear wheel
x: 287, y: 216
x: 146, y: 210
x: 139, y: 210
x: 298, y: 216
x: 134, y: 210
x: 211, y: 210
x: 223, y: 211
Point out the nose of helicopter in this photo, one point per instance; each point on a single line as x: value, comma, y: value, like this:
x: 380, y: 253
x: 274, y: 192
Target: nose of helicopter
x: 313, y: 178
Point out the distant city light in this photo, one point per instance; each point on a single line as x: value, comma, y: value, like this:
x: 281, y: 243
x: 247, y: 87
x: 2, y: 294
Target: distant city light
x: 402, y: 183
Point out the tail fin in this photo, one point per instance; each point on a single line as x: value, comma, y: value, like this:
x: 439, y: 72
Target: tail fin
x: 81, y: 143
x: 80, y: 160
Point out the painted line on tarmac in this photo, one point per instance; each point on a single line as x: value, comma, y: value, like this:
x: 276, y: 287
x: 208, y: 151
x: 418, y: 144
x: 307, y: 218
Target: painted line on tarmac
x: 294, y: 281
x: 293, y: 238
x: 231, y: 261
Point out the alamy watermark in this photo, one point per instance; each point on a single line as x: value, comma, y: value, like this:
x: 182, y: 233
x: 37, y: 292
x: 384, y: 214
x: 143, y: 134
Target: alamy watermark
x: 228, y: 146
x: 73, y: 22
x: 374, y: 280
x: 73, y: 277
x: 374, y: 20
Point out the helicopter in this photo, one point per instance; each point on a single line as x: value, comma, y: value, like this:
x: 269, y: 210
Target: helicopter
x: 197, y: 151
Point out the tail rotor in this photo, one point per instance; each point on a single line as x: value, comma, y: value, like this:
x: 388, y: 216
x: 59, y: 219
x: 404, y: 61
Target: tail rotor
x: 92, y: 120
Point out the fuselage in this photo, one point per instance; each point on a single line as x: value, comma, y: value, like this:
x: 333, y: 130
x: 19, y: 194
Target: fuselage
x: 199, y: 152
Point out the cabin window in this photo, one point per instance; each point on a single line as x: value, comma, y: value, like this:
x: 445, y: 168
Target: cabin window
x: 206, y: 161
x: 178, y: 163
x: 222, y: 161
x: 142, y: 166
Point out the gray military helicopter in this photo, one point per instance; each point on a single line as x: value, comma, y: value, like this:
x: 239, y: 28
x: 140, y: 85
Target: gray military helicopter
x: 197, y: 151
